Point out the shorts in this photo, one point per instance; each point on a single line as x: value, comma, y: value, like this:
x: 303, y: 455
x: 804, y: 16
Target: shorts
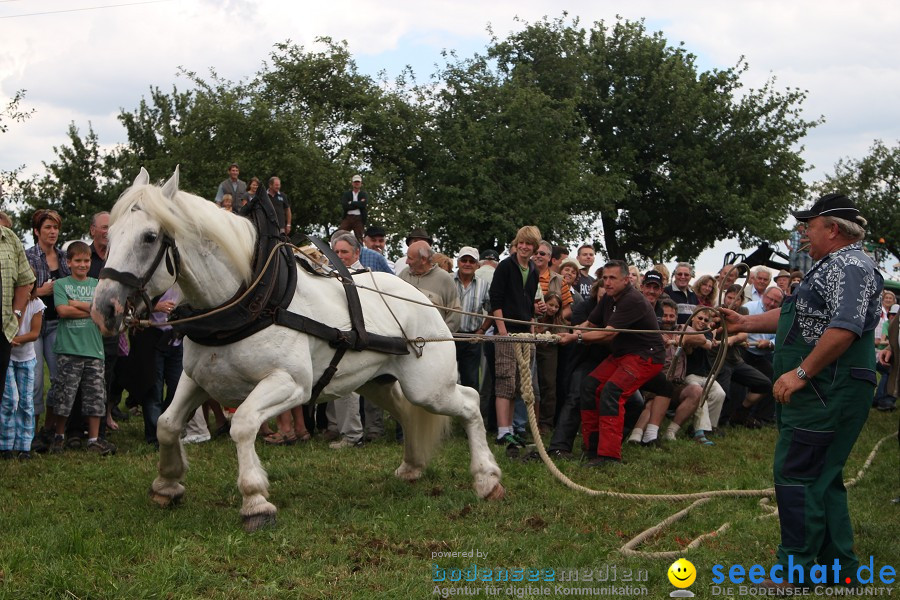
x: 74, y: 372
x: 506, y: 376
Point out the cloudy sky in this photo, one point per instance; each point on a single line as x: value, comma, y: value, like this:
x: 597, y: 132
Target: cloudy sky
x: 82, y: 64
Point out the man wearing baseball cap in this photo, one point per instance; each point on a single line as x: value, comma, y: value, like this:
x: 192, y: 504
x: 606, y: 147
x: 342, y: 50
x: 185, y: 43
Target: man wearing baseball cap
x: 355, y: 205
x: 825, y: 372
x: 474, y: 295
x: 652, y: 288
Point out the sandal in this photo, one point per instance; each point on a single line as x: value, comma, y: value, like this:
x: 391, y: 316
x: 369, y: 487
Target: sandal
x: 302, y: 437
x: 280, y: 439
x: 703, y: 440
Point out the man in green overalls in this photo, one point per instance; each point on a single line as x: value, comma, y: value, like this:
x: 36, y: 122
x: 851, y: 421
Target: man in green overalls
x: 825, y: 373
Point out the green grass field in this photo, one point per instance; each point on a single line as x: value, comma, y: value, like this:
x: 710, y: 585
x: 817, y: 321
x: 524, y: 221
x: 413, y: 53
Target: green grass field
x: 81, y: 526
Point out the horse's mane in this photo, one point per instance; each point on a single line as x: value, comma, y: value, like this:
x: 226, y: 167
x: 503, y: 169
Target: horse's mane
x: 192, y: 219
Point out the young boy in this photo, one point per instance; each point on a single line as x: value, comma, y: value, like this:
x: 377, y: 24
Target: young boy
x: 17, y: 406
x: 79, y: 350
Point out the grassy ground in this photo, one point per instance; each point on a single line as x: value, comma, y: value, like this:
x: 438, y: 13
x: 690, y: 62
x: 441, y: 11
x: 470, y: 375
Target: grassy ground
x: 81, y: 526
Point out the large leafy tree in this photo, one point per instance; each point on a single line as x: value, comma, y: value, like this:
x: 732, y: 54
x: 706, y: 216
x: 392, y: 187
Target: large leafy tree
x: 874, y: 183
x: 499, y: 153
x: 81, y: 181
x: 672, y: 159
x: 308, y: 117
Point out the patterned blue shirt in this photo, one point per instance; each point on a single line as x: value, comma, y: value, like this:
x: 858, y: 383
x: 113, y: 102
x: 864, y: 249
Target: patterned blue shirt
x: 841, y: 290
x: 374, y: 261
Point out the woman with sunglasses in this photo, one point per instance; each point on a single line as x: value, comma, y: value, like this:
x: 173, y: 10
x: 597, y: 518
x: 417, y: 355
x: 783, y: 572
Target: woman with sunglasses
x: 49, y: 264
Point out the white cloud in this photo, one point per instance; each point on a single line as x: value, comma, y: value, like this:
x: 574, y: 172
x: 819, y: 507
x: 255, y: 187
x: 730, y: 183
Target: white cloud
x: 81, y: 66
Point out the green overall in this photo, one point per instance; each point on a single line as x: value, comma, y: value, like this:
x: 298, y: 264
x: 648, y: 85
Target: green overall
x: 816, y: 431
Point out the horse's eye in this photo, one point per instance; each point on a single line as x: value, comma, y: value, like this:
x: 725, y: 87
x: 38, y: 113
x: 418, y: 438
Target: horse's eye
x: 150, y: 237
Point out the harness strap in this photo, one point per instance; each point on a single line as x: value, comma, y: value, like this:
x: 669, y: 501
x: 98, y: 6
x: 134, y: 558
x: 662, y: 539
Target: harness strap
x: 357, y: 321
x: 338, y: 338
x: 327, y: 374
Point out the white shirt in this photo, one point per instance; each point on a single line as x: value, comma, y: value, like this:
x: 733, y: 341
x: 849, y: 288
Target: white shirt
x: 26, y: 351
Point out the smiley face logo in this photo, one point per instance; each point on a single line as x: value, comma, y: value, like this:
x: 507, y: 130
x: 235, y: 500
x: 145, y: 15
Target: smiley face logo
x: 682, y: 573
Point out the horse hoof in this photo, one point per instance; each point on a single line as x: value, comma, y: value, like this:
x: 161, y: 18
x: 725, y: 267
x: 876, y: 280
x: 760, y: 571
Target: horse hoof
x: 498, y: 493
x: 254, y: 522
x: 163, y: 500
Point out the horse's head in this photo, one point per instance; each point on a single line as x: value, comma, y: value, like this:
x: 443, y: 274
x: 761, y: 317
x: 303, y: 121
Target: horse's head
x: 142, y: 261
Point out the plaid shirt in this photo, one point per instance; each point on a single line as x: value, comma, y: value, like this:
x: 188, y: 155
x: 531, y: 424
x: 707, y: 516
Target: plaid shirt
x: 38, y: 261
x: 374, y: 261
x: 475, y: 298
x: 14, y: 272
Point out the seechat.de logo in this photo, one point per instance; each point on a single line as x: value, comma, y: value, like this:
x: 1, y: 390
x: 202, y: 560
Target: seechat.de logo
x: 682, y: 574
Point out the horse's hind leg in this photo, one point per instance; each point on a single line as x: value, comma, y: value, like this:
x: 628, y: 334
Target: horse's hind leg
x: 423, y: 428
x: 273, y: 395
x: 465, y: 404
x: 167, y: 488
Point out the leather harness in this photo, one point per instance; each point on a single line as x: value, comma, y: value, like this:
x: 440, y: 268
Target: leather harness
x: 268, y: 302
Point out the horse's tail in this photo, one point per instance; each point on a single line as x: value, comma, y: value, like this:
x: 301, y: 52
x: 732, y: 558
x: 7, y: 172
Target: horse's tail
x: 423, y: 431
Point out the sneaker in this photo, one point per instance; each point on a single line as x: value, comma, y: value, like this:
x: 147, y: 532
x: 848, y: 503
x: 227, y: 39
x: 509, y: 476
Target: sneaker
x: 58, y: 444
x: 225, y: 429
x: 101, y: 447
x: 374, y: 436
x: 561, y: 454
x: 196, y: 438
x: 24, y: 455
x: 346, y: 443
x: 330, y: 435
x: 41, y: 442
x: 654, y: 443
x: 7, y: 454
x: 511, y: 439
x: 74, y: 443
x: 885, y: 405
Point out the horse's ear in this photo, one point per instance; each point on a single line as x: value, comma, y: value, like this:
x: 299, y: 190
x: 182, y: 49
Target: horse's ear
x: 171, y: 186
x: 143, y: 178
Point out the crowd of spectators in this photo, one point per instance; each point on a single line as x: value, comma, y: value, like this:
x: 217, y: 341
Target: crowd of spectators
x: 648, y: 387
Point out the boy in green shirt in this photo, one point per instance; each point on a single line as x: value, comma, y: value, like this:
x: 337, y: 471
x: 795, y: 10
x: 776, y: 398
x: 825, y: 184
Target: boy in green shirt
x: 79, y: 350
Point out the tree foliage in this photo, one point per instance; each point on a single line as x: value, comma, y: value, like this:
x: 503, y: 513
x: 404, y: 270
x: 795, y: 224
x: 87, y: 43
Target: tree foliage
x: 672, y: 159
x: 605, y: 132
x: 873, y: 182
x: 81, y: 181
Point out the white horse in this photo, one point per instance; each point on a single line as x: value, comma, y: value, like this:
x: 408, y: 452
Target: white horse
x: 275, y: 369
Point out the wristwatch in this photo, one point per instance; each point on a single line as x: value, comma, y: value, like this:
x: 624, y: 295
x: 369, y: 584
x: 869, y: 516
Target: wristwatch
x: 18, y: 313
x: 801, y: 374
x: 580, y: 338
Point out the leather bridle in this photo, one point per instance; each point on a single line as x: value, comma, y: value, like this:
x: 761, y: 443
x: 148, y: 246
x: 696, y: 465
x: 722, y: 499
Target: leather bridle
x: 173, y: 262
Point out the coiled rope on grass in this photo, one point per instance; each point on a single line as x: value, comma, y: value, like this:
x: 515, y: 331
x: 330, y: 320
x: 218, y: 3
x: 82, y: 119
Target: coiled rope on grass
x: 523, y: 358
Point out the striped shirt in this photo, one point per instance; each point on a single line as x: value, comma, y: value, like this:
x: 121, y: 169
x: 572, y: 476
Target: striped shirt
x: 474, y: 298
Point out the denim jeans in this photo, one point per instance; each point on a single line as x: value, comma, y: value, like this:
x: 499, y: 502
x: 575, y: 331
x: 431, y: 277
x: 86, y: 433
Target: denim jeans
x: 43, y: 348
x: 168, y: 372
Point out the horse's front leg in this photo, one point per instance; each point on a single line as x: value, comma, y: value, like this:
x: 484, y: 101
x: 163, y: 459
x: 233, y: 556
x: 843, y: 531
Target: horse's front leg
x: 273, y: 395
x: 167, y: 489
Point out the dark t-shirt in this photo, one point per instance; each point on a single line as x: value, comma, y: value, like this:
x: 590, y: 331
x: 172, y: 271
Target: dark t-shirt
x: 698, y: 361
x: 281, y: 204
x: 583, y: 285
x: 631, y: 311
